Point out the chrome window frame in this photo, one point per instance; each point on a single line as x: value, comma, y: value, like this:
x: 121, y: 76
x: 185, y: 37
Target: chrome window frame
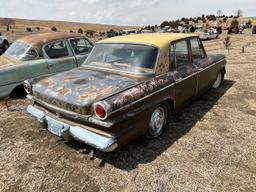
x: 89, y: 41
x: 174, y: 67
x: 70, y: 53
x: 200, y: 44
x: 31, y: 46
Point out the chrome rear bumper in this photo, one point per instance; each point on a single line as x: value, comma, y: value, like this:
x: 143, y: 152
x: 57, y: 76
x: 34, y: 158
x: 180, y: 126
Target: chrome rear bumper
x: 103, y: 143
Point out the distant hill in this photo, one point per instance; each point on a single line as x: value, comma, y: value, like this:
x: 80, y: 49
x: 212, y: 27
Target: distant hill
x: 19, y: 28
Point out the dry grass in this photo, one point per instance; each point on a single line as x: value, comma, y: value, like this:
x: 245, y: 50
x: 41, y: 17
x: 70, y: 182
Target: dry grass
x: 209, y: 146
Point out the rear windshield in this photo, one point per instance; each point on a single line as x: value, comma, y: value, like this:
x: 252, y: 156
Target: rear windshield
x: 132, y: 58
x: 21, y: 51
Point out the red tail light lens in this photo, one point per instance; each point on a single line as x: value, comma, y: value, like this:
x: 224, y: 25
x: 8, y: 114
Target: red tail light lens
x: 100, y: 111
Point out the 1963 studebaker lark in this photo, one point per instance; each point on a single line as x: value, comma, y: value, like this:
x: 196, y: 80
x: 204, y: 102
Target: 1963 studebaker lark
x: 39, y: 55
x: 128, y: 87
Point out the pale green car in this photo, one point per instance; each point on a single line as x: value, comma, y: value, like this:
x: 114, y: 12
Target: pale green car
x: 41, y: 55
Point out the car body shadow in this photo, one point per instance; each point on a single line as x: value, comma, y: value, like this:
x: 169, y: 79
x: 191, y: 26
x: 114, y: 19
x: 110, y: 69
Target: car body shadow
x: 143, y: 151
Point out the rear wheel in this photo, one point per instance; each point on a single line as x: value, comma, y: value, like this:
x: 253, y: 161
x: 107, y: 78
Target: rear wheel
x: 219, y: 80
x: 158, y: 121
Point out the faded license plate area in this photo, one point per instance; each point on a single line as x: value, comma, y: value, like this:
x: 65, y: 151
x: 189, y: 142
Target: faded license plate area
x: 55, y: 127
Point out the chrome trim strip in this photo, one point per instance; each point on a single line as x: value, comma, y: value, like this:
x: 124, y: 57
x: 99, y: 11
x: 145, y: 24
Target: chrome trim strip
x: 149, y: 95
x: 9, y: 84
x: 175, y: 82
x: 73, y: 115
x: 57, y: 109
x: 103, y: 143
x: 210, y: 65
x: 39, y: 115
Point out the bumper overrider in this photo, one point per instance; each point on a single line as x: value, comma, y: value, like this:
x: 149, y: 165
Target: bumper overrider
x: 103, y: 143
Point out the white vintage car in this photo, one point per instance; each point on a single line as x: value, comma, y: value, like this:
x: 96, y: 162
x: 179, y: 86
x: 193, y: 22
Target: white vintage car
x: 206, y: 34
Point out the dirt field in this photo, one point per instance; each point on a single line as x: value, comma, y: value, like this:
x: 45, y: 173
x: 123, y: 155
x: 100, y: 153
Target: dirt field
x: 209, y: 146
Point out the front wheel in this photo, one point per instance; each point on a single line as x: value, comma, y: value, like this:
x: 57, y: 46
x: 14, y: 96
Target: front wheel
x: 5, y: 46
x: 158, y: 121
x: 219, y: 80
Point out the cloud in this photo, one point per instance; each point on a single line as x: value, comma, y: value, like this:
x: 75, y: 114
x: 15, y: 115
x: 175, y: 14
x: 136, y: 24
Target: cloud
x: 126, y: 12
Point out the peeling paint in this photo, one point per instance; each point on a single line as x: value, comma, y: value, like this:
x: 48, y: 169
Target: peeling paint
x: 83, y: 88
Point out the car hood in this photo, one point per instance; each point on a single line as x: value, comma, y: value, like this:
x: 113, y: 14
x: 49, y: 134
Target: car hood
x: 6, y: 61
x: 78, y: 89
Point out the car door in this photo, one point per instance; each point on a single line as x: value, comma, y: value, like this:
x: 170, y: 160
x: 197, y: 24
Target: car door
x: 206, y: 70
x: 184, y: 73
x: 59, y: 56
x: 81, y: 48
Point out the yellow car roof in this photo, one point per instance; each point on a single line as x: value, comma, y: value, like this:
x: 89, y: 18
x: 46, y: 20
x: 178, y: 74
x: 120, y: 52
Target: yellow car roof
x: 157, y: 39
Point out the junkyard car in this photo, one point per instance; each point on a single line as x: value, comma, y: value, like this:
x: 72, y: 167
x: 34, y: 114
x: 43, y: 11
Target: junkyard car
x: 207, y: 34
x: 128, y: 87
x: 235, y: 30
x: 36, y: 55
x: 4, y: 43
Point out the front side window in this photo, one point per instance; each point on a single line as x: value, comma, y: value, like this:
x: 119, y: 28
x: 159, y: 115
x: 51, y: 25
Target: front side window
x: 132, y: 58
x: 56, y: 49
x: 21, y: 51
x: 81, y: 46
x: 196, y: 49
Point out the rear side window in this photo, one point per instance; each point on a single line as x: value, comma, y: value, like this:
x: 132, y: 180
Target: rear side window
x: 81, y: 46
x: 196, y: 49
x: 56, y: 49
x: 180, y: 54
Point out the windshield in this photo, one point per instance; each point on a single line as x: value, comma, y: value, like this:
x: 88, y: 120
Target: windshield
x: 123, y: 57
x: 21, y: 51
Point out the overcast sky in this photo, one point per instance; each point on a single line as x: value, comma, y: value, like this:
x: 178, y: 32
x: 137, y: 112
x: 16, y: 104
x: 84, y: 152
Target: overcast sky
x: 125, y: 12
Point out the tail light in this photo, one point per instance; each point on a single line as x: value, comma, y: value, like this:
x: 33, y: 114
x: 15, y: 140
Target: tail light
x: 27, y: 87
x: 101, y: 110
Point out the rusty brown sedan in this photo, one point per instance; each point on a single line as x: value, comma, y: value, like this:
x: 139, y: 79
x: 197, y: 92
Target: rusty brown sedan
x: 128, y: 86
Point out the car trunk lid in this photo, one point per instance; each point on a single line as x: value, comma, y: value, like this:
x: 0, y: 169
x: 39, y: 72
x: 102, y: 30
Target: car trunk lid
x: 78, y: 89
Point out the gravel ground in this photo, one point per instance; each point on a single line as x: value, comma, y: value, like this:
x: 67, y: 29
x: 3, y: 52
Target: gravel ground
x: 209, y: 146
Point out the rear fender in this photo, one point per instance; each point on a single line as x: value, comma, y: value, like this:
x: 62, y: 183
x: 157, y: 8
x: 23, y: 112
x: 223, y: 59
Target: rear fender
x: 6, y: 90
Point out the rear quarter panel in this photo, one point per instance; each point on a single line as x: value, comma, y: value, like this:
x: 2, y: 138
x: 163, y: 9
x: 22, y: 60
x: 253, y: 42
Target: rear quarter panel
x: 14, y: 75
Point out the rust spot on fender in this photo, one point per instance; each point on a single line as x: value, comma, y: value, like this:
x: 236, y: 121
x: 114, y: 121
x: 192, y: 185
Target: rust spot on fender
x: 139, y: 91
x: 88, y: 96
x: 64, y: 91
x: 67, y: 79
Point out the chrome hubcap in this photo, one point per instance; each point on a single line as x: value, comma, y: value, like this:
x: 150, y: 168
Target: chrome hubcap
x: 218, y: 81
x: 157, y: 121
